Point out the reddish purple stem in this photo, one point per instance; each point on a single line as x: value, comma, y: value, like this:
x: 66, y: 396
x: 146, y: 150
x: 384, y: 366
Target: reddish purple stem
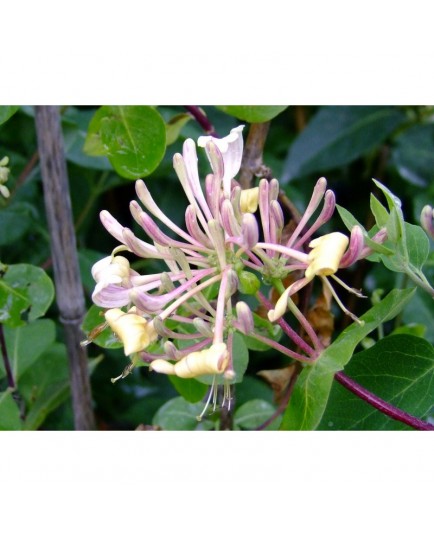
x: 202, y: 119
x: 381, y: 405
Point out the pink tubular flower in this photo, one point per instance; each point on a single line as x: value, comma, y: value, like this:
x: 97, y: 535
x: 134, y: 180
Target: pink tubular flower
x: 232, y: 240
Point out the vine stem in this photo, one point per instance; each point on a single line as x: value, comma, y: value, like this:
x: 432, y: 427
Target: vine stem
x: 201, y: 117
x: 380, y: 404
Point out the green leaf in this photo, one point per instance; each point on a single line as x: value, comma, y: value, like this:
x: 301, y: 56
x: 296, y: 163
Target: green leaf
x: 15, y: 221
x: 6, y: 112
x: 25, y: 344
x: 309, y: 398
x: 337, y: 135
x: 255, y: 412
x: 400, y: 370
x: 178, y: 414
x: 417, y: 245
x: 133, y: 138
x: 174, y: 127
x: 9, y: 412
x: 24, y: 287
x: 379, y: 211
x: 45, y: 385
x: 413, y: 154
x: 93, y: 319
x: 75, y: 125
x: 253, y: 114
x: 350, y: 221
x: 419, y: 310
x: 395, y: 225
x: 190, y: 389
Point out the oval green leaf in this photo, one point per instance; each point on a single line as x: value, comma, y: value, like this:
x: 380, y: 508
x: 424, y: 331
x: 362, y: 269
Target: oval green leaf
x: 24, y: 287
x: 132, y: 137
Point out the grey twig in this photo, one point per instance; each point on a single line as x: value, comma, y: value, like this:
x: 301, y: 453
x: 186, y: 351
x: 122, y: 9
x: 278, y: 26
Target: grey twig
x: 69, y: 290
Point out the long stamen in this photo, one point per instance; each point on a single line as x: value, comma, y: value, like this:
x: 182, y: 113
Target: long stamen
x: 341, y: 305
x: 199, y: 417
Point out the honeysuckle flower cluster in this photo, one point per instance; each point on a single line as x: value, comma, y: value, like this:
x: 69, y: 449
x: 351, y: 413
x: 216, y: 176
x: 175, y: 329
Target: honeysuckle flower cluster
x: 234, y: 242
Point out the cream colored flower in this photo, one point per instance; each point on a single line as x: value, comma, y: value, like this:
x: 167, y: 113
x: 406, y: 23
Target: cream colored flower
x: 326, y: 254
x: 135, y: 332
x: 213, y: 360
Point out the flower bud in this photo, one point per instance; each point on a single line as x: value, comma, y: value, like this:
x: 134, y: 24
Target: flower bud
x: 249, y: 283
x: 250, y: 230
x: 245, y: 317
x: 426, y: 220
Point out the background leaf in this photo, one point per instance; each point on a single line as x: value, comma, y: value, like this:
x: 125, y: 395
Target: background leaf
x: 6, y: 112
x: 15, y: 220
x: 413, y: 154
x: 174, y: 127
x: 133, y: 138
x: 309, y: 398
x: 25, y: 344
x: 24, y: 287
x: 254, y: 413
x: 253, y: 114
x: 178, y: 414
x: 400, y: 370
x: 337, y: 135
x: 9, y: 412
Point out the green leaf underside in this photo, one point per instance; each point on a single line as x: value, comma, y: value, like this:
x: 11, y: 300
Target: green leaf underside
x: 400, y: 370
x: 24, y: 288
x: 133, y: 138
x: 337, y: 135
x: 253, y: 114
x: 254, y: 413
x: 311, y: 392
